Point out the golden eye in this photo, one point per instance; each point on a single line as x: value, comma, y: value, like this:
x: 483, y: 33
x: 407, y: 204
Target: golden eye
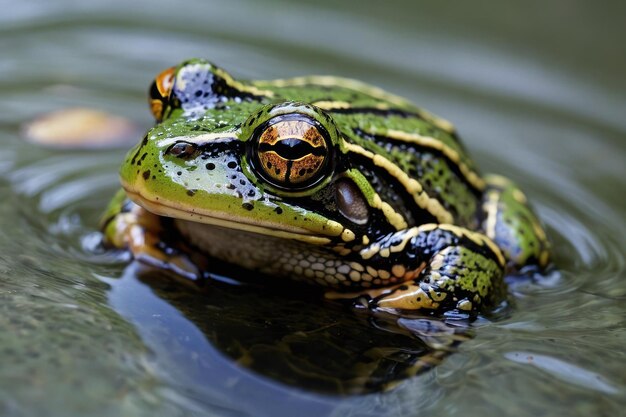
x: 291, y: 152
x: 160, y: 92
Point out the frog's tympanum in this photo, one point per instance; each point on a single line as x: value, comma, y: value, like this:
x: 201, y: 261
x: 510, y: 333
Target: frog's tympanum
x: 324, y: 180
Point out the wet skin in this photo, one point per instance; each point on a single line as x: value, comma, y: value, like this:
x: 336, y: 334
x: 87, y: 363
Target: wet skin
x: 324, y: 180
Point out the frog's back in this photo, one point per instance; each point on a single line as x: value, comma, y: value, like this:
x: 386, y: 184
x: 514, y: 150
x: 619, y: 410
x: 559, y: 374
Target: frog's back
x: 323, y: 180
x: 411, y: 157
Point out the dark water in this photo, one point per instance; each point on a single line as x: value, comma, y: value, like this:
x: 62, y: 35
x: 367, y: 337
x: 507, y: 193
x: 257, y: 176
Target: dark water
x: 537, y: 91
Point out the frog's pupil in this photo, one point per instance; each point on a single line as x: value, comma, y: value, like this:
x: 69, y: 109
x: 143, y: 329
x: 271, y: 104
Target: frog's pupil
x: 292, y: 148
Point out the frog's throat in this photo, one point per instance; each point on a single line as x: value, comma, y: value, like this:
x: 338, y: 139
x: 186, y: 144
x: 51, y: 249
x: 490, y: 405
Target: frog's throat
x: 227, y: 220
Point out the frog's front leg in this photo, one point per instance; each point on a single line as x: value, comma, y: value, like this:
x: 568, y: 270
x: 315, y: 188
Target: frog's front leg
x: 437, y: 268
x: 513, y: 226
x: 126, y: 225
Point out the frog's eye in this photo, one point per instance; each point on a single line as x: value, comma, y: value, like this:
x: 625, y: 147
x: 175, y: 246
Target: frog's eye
x: 291, y: 152
x: 160, y: 91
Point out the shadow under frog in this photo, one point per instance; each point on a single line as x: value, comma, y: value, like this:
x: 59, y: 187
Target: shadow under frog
x: 217, y: 335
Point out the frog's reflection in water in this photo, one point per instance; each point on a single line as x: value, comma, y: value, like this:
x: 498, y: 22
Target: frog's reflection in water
x: 285, y: 332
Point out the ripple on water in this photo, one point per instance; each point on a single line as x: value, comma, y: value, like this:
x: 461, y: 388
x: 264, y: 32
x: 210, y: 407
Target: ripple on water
x: 565, y: 371
x: 83, y: 336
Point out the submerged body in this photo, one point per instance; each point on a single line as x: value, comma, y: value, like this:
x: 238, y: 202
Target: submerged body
x: 324, y: 180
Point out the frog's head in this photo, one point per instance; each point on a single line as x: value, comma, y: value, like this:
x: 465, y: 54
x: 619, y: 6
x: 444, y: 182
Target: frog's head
x: 230, y: 154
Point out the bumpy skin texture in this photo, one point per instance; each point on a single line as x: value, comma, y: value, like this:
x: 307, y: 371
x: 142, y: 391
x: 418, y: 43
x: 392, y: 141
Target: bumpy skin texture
x: 392, y: 207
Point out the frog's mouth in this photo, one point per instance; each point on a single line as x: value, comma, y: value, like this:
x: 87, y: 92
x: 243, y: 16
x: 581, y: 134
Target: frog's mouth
x: 226, y: 220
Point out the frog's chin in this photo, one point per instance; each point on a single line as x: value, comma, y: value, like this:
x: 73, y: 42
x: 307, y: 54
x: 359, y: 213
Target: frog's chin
x: 227, y: 220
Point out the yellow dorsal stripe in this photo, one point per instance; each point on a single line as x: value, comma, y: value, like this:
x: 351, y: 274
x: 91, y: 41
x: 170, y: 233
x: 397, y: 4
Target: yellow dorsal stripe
x: 432, y: 143
x: 442, y: 124
x: 374, y: 92
x: 393, y: 217
x: 330, y: 81
x: 413, y: 187
x: 238, y: 85
x: 341, y: 105
x: 490, y: 207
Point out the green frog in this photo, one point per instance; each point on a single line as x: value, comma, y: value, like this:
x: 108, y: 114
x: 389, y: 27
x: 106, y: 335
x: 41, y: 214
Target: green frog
x: 324, y: 180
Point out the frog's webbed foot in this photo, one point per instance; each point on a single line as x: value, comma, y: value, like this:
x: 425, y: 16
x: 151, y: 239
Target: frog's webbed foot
x: 438, y: 268
x: 513, y: 226
x: 455, y: 278
x: 129, y: 226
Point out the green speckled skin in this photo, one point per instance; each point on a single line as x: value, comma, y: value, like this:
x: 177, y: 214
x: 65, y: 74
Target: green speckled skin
x: 420, y: 229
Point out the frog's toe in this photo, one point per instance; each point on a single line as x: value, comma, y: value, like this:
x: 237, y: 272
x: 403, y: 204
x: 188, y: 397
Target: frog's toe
x: 412, y: 295
x: 135, y: 229
x: 419, y: 296
x: 148, y: 249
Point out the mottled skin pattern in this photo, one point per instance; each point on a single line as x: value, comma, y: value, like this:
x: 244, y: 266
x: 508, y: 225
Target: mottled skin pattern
x: 396, y: 212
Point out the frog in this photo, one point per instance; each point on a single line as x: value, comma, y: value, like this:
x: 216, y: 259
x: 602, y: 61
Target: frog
x: 324, y: 180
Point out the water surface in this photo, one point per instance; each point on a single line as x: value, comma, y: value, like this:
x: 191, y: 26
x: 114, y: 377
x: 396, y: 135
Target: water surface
x: 537, y: 92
